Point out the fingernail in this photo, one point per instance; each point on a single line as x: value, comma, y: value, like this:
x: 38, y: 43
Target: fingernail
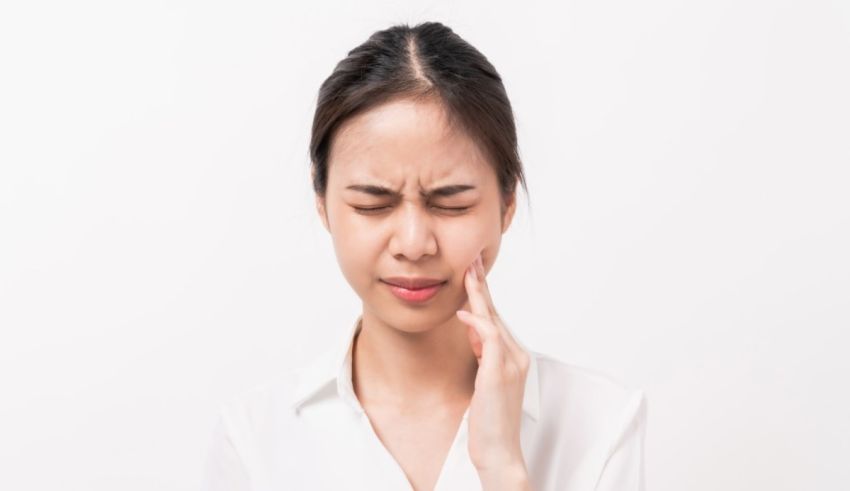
x: 473, y: 272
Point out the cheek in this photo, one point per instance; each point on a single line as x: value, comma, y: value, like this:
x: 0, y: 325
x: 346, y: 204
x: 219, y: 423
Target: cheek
x: 462, y: 249
x: 357, y: 251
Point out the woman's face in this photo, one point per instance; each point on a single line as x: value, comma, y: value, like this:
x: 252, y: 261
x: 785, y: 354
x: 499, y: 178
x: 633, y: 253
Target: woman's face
x: 407, y: 229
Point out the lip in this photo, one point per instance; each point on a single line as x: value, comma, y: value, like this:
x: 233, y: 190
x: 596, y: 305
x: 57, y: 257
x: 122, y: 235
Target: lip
x: 412, y: 282
x: 420, y: 290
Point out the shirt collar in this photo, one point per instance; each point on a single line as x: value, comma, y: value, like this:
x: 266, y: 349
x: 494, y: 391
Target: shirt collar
x: 333, y: 368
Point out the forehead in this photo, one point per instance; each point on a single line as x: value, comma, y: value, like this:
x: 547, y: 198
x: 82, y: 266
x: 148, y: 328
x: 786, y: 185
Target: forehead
x: 404, y: 140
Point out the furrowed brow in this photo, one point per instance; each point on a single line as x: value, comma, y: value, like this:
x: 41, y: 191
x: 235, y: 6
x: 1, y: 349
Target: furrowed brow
x: 450, y: 190
x: 373, y: 189
x: 443, y: 191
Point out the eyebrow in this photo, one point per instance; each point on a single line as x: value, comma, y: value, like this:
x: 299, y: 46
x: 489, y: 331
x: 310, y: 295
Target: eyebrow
x: 442, y: 191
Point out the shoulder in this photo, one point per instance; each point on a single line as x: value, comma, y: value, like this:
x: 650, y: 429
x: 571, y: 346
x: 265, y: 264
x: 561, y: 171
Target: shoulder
x: 257, y: 408
x: 591, y: 429
x: 251, y: 425
x: 586, y: 401
x: 562, y: 379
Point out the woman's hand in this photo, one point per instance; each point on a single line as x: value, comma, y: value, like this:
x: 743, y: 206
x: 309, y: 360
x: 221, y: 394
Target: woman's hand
x: 496, y: 408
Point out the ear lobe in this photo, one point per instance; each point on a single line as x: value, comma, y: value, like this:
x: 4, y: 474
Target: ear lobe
x: 508, y: 215
x: 323, y: 213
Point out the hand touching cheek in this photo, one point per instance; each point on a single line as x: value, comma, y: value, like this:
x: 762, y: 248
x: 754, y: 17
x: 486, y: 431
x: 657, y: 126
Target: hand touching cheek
x: 495, y: 410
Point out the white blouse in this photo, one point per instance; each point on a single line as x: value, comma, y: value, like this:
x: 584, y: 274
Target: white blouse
x: 306, y: 430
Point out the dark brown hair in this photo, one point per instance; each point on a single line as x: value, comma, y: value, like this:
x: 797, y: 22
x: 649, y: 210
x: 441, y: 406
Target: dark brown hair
x: 427, y: 60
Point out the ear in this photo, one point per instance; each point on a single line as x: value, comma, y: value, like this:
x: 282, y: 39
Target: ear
x: 508, y: 214
x: 321, y: 208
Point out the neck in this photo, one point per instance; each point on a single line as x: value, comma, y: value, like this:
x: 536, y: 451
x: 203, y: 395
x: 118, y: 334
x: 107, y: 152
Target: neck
x: 403, y: 368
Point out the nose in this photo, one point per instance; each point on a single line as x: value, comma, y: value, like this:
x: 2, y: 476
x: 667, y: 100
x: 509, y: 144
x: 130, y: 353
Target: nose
x: 412, y: 233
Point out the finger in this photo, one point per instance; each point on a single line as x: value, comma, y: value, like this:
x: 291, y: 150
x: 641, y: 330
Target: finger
x: 477, y: 301
x: 517, y: 350
x: 474, y: 341
x: 484, y: 288
x: 492, y: 347
x: 507, y: 335
x: 512, y: 347
x: 480, y: 294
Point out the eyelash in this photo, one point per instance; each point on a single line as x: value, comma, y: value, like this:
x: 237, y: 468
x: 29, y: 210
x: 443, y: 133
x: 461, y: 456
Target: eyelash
x: 372, y: 211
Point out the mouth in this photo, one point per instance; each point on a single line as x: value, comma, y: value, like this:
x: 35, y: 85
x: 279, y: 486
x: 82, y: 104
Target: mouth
x: 414, y: 290
x: 412, y: 282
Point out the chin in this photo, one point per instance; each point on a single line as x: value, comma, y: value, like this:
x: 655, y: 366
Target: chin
x: 411, y: 320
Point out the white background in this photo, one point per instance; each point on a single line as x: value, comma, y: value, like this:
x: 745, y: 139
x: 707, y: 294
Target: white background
x: 688, y: 232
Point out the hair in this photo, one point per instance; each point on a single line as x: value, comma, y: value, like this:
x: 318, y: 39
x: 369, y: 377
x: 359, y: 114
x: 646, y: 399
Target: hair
x: 428, y: 60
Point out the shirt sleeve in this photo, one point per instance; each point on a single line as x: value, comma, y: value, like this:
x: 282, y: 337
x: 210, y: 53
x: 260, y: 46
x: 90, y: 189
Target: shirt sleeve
x: 624, y: 468
x: 224, y: 468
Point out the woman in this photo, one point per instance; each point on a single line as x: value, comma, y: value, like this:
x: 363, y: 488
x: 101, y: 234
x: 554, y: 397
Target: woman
x: 415, y: 167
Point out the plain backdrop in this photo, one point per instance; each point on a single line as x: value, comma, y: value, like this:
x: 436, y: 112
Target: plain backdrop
x: 686, y: 231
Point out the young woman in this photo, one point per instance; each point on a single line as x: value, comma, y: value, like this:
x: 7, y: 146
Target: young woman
x: 415, y: 168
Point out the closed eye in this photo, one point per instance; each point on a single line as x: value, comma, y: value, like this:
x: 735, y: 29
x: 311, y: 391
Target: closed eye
x: 374, y: 210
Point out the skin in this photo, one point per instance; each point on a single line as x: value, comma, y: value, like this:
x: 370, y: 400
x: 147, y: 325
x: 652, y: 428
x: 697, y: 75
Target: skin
x: 407, y: 356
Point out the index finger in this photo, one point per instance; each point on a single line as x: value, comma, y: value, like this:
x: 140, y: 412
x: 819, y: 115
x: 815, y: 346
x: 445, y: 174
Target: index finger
x: 476, y: 288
